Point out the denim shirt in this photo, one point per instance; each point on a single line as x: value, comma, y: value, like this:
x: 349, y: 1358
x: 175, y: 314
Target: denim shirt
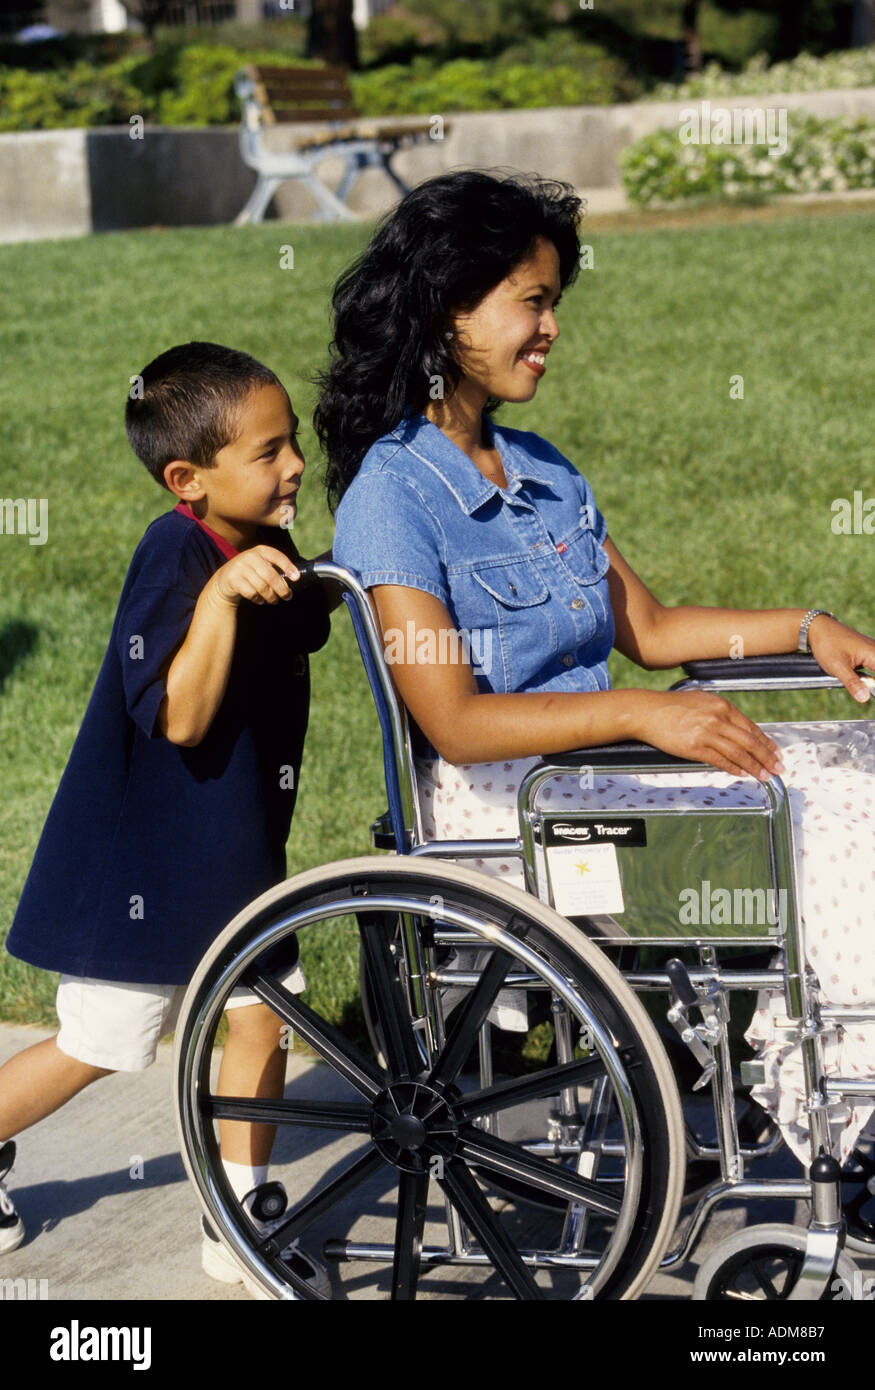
x: 522, y: 569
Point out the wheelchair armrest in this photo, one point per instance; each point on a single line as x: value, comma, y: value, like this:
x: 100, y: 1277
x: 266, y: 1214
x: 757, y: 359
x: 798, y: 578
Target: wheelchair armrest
x: 783, y: 666
x: 618, y: 755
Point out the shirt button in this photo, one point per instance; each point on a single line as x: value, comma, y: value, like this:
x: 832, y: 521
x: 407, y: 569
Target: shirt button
x: 577, y: 603
x: 567, y: 659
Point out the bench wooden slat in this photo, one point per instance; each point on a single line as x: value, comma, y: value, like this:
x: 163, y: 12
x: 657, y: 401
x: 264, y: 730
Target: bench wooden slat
x: 293, y: 114
x: 282, y: 74
x: 303, y: 95
x: 306, y: 91
x: 395, y: 132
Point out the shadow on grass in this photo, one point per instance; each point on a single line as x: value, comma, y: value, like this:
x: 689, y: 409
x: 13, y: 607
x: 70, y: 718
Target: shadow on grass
x: 17, y: 641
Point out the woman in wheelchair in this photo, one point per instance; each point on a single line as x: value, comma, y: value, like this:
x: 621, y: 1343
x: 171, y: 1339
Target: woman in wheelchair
x: 500, y: 594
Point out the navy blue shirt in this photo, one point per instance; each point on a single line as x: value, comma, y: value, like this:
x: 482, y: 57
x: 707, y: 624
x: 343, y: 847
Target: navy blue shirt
x: 522, y: 570
x: 151, y: 848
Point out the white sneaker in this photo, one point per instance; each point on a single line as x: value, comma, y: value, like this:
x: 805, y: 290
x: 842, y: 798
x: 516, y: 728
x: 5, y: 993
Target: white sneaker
x: 266, y: 1205
x: 11, y: 1224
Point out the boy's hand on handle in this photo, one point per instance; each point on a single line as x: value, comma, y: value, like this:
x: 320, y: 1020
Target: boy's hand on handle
x: 840, y: 650
x: 705, y: 728
x: 260, y: 574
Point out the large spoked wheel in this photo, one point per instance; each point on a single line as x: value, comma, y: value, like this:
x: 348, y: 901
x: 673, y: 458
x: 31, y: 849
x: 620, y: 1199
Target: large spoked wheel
x: 409, y: 1194
x: 762, y: 1264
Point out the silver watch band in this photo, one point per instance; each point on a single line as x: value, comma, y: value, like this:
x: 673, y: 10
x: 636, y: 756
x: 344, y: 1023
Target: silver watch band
x: 802, y: 645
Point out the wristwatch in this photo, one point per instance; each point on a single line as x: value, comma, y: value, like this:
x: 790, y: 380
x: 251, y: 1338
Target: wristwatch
x: 802, y: 645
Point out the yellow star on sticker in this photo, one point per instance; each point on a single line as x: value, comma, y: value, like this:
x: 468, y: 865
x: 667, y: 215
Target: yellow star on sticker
x: 582, y: 868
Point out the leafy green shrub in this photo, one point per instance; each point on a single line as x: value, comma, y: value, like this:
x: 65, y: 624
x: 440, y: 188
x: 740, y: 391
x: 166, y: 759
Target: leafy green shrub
x: 193, y: 84
x: 469, y: 84
x: 84, y: 95
x: 822, y: 156
x: 853, y: 67
x: 203, y: 87
x: 198, y: 86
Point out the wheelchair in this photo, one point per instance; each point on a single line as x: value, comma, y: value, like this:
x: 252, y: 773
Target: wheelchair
x: 455, y: 1160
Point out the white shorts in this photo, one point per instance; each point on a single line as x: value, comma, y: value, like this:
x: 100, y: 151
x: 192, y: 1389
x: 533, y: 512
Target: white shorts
x: 110, y: 1024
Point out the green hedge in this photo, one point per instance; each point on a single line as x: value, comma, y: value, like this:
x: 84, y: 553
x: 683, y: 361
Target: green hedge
x: 822, y: 156
x: 852, y: 67
x: 194, y: 85
x: 473, y: 85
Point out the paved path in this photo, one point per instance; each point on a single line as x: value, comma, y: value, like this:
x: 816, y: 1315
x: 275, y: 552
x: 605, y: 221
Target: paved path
x: 97, y: 1231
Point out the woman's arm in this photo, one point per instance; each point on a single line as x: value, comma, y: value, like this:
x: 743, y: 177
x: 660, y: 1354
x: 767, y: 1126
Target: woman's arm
x: 468, y: 726
x: 658, y: 638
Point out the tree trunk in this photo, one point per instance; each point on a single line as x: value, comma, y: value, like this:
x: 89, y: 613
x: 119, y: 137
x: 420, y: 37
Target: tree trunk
x: 692, y: 42
x: 331, y: 34
x: 864, y: 23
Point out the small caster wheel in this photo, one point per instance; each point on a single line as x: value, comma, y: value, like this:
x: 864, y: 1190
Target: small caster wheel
x: 858, y: 1198
x: 762, y: 1264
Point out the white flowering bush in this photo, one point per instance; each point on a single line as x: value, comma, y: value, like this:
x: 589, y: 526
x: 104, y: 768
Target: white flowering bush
x: 851, y: 67
x: 822, y: 156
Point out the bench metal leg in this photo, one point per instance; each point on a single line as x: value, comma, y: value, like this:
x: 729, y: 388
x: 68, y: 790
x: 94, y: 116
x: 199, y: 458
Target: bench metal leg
x: 331, y: 208
x: 258, y: 201
x: 357, y: 162
x: 386, y: 163
x: 330, y: 204
x: 352, y: 170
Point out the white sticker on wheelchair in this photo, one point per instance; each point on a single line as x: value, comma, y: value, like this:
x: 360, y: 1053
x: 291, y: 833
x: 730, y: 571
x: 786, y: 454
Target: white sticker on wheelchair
x: 585, y: 879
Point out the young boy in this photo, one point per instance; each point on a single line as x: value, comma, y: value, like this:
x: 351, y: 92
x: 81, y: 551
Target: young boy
x: 174, y: 809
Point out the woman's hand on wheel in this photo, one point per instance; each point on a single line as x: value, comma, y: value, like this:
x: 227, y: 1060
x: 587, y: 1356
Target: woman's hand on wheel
x: 839, y: 650
x: 705, y: 728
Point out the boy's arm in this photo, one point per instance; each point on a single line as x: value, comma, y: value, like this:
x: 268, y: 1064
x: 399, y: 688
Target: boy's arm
x: 198, y: 675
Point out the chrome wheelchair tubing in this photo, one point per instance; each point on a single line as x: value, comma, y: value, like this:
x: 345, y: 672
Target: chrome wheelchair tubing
x: 793, y: 1189
x: 773, y: 683
x: 656, y: 981
x: 840, y: 1086
x: 468, y: 849
x: 399, y: 731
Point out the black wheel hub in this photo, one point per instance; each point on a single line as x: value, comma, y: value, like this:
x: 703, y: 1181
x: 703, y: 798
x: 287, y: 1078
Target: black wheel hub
x: 410, y: 1123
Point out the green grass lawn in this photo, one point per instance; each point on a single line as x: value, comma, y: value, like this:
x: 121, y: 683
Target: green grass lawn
x: 712, y: 500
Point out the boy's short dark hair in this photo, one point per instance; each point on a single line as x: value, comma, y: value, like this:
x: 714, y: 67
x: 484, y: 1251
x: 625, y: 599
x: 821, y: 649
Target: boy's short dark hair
x: 183, y: 405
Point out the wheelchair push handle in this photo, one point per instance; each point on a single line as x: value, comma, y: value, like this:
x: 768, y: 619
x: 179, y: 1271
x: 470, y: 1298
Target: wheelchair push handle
x: 307, y: 571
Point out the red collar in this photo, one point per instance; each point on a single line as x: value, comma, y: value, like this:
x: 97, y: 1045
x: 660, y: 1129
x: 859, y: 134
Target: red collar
x: 226, y: 547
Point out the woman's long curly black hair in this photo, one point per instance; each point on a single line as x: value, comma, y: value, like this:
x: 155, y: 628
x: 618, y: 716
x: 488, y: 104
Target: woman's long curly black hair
x: 448, y: 243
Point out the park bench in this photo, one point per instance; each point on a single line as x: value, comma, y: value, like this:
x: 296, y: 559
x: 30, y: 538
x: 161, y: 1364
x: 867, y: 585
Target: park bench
x: 276, y: 95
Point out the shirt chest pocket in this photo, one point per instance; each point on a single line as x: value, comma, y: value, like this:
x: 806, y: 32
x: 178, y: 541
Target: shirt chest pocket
x: 509, y: 604
x: 584, y: 556
x: 512, y: 586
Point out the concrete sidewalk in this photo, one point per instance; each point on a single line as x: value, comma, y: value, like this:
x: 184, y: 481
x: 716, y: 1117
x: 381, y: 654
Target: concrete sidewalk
x: 96, y: 1230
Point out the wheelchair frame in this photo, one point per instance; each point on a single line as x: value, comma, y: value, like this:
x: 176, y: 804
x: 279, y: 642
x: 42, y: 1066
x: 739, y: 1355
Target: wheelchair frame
x: 817, y: 1252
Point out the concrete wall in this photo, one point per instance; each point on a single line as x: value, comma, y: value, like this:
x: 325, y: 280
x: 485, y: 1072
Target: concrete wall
x: 66, y: 183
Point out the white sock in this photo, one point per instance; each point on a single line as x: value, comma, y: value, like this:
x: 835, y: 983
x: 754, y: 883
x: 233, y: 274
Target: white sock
x: 243, y: 1177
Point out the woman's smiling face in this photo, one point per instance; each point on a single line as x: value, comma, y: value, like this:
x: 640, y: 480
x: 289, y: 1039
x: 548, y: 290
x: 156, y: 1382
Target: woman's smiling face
x: 501, y: 345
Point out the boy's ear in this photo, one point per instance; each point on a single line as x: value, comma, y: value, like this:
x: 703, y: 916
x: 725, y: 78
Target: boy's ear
x: 183, y: 480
